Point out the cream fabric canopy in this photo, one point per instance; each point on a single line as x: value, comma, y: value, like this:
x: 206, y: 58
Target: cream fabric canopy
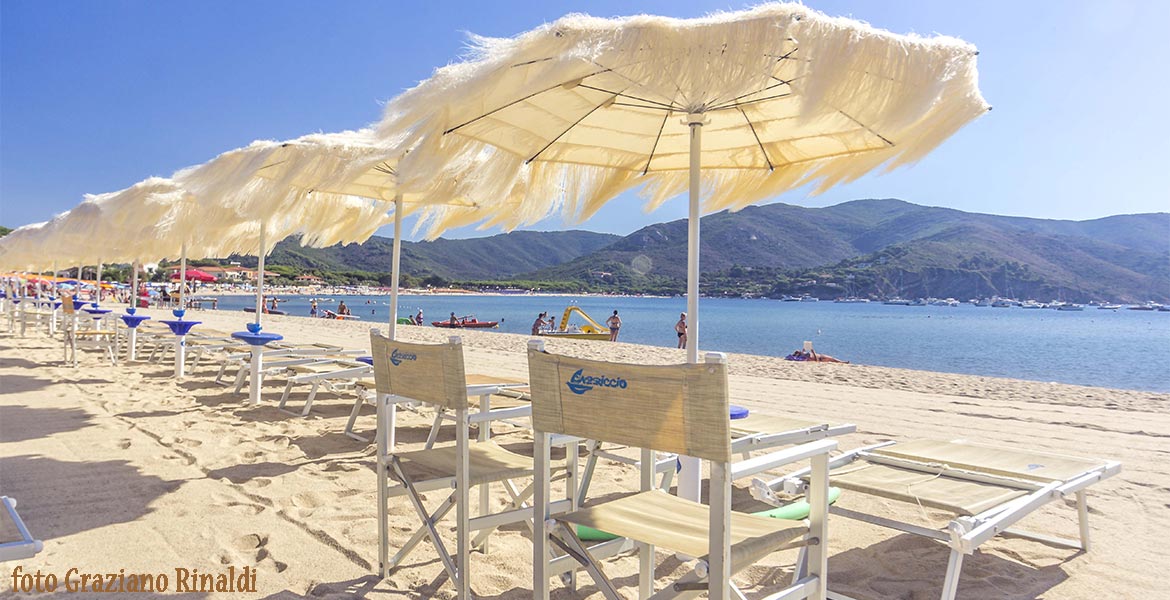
x: 566, y: 116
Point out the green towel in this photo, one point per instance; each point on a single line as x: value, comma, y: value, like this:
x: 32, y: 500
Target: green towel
x: 794, y: 511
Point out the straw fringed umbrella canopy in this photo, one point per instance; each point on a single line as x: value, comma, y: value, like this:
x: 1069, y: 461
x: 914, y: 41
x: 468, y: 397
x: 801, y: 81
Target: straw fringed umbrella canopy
x: 322, y: 176
x: 734, y: 107
x: 737, y: 107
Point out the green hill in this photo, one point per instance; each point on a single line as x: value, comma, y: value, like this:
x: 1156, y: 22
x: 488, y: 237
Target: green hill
x: 890, y: 247
x: 488, y: 258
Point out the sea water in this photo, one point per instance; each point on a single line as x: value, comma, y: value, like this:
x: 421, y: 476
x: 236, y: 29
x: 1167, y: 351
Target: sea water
x: 1121, y: 349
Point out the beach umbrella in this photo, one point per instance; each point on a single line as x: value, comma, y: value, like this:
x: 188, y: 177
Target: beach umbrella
x: 196, y: 275
x: 734, y: 108
x: 322, y: 172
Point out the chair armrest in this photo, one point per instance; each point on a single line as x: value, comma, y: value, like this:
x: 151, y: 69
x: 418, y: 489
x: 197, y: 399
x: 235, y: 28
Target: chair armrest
x: 771, y: 460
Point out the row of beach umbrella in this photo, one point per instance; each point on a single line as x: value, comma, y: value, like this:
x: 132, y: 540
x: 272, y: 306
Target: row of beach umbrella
x: 731, y: 108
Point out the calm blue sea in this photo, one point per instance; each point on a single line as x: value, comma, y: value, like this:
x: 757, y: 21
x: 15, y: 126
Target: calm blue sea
x: 1120, y: 349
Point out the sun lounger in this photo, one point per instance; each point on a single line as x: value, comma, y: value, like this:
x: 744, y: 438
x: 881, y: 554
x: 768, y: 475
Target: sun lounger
x: 239, y: 356
x: 15, y: 541
x: 679, y: 409
x: 988, y: 488
x: 81, y: 331
x: 434, y: 375
x: 337, y: 376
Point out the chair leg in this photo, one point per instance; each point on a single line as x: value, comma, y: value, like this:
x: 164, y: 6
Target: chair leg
x: 353, y: 415
x: 421, y: 532
x: 563, y: 537
x: 1083, y: 518
x: 309, y: 400
x: 954, y: 568
x: 284, y: 396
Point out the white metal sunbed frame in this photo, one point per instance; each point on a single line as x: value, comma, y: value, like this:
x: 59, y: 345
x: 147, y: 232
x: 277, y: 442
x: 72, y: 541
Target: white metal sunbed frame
x: 16, y: 543
x: 1027, y: 480
x: 337, y: 376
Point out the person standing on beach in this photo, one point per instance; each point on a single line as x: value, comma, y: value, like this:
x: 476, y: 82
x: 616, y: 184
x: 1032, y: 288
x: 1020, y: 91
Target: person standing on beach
x: 313, y: 307
x: 681, y: 329
x: 418, y: 319
x: 615, y: 323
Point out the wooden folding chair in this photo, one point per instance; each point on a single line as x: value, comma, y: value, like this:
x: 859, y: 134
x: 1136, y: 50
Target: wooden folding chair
x: 682, y: 409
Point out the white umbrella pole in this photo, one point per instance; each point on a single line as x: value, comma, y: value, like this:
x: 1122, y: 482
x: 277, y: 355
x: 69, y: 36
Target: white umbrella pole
x: 181, y: 339
x: 257, y: 379
x: 132, y: 333
x: 260, y: 276
x: 98, y: 282
x: 183, y: 277
x: 690, y: 476
x: 395, y: 263
x: 134, y: 285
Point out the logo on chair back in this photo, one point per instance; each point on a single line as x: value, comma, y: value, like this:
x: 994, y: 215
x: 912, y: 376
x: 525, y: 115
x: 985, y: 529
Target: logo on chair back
x: 397, y: 357
x: 580, y: 383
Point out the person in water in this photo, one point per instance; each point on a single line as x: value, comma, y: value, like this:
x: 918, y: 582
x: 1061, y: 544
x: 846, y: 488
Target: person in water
x: 615, y: 323
x: 681, y: 329
x: 418, y: 319
x: 538, y: 324
x: 342, y: 309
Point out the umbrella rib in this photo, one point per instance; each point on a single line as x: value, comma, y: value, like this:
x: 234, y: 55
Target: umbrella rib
x: 632, y: 105
x: 655, y: 147
x: 867, y: 128
x: 750, y: 102
x: 620, y: 94
x: 567, y: 130
x: 763, y: 150
x: 519, y: 100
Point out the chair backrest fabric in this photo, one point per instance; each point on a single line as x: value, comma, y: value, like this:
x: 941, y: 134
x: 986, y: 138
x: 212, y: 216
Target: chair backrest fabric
x: 430, y: 373
x: 673, y: 408
x: 67, y: 304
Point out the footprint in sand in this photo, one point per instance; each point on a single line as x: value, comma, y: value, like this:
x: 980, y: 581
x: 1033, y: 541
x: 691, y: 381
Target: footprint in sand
x: 186, y: 460
x: 251, y: 541
x: 259, y: 482
x: 307, y: 500
x: 123, y: 444
x: 190, y: 443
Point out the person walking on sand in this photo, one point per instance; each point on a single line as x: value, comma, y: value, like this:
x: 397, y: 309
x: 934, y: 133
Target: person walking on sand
x: 681, y: 329
x: 615, y: 323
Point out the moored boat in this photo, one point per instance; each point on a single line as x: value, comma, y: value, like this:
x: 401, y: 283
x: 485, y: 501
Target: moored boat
x: 466, y: 322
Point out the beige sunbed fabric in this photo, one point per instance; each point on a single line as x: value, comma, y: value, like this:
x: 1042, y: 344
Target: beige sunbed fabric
x: 8, y: 531
x: 658, y: 518
x: 931, y: 490
x: 426, y: 372
x: 756, y: 423
x: 675, y: 408
x: 325, y: 367
x: 488, y: 463
x: 1033, y: 466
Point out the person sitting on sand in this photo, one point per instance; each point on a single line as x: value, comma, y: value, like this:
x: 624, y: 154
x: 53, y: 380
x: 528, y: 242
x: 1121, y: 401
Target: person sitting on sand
x: 328, y: 314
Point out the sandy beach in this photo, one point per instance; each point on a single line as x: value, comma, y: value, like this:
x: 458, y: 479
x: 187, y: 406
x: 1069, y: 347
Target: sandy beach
x: 126, y: 468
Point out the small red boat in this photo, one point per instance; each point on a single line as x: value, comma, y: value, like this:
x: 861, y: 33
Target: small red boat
x: 468, y: 322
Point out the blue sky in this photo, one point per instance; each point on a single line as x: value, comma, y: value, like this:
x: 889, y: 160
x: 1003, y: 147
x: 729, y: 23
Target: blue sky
x: 95, y: 96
